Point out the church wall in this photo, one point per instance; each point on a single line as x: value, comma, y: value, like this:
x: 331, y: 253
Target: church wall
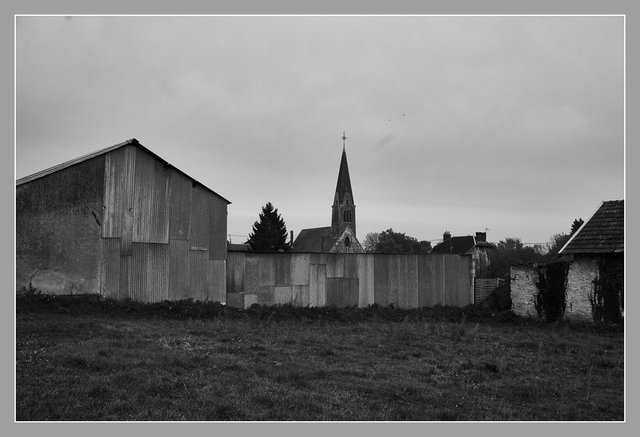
x: 346, y: 280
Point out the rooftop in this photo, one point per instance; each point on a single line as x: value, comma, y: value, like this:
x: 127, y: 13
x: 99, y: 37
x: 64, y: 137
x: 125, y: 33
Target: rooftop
x: 602, y: 233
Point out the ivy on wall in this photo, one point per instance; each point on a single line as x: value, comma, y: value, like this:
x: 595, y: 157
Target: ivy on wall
x: 607, y: 300
x: 551, y: 300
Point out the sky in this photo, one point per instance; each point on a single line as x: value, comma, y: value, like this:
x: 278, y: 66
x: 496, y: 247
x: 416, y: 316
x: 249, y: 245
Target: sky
x: 510, y: 125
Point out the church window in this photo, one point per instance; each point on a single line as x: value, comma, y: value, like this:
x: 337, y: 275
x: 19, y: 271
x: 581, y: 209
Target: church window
x: 347, y: 216
x: 347, y: 242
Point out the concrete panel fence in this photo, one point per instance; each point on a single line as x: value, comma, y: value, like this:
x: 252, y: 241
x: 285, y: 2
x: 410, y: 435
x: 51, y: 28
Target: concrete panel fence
x: 346, y: 280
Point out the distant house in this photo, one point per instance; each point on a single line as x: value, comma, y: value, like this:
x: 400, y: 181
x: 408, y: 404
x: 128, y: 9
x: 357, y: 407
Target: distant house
x: 340, y: 237
x: 598, y: 244
x: 476, y: 246
x: 121, y: 222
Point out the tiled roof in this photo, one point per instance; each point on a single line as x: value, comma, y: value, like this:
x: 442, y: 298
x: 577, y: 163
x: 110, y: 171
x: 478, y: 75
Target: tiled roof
x: 602, y: 233
x: 314, y: 240
x: 457, y: 245
x: 131, y: 142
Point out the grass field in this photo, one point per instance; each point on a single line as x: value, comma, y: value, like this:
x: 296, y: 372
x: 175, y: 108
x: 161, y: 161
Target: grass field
x: 87, y: 362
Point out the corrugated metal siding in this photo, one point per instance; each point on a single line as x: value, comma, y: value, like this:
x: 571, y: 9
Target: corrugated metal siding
x: 342, y: 292
x: 427, y: 285
x: 382, y: 285
x: 439, y: 280
x: 217, y: 228
x: 199, y: 264
x: 283, y: 269
x: 366, y: 280
x: 179, y: 205
x: 179, y: 270
x: 266, y: 268
x: 235, y: 272
x: 300, y: 269
x: 118, y: 198
x: 282, y: 295
x: 110, y: 268
x: 301, y: 295
x: 125, y: 291
x: 149, y: 272
x: 200, y: 218
x: 151, y: 195
x: 216, y: 281
x: 458, y: 287
x: 251, y: 274
x: 407, y: 281
x: 350, y: 265
x: 318, y: 285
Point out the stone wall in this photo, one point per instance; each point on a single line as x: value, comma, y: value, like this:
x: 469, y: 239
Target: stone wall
x: 582, y: 272
x: 524, y: 290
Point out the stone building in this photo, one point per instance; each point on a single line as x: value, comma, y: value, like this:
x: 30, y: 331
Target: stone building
x: 598, y: 243
x: 340, y: 237
x: 594, y: 250
x: 120, y: 222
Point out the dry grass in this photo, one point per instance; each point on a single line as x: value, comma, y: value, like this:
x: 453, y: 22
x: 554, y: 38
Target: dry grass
x: 115, y: 367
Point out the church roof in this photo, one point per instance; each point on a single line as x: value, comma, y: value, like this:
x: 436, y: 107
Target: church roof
x: 314, y: 240
x: 344, y: 182
x: 602, y: 233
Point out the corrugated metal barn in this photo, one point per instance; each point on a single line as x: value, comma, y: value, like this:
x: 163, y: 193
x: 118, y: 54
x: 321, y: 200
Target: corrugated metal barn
x: 124, y: 223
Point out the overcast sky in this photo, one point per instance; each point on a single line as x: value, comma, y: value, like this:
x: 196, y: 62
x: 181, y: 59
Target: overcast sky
x: 514, y: 124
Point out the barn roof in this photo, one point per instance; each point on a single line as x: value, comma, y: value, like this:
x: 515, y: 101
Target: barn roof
x: 314, y: 240
x: 131, y: 142
x: 602, y: 233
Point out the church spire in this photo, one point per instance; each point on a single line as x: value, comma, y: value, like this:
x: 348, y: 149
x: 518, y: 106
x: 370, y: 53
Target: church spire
x: 343, y: 209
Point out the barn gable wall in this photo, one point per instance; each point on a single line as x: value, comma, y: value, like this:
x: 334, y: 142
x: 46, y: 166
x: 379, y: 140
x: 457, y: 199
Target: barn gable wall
x: 58, y: 228
x: 124, y: 224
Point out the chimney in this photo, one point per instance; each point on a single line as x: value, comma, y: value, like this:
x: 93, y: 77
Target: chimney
x: 481, y: 237
x: 291, y: 242
x: 446, y: 235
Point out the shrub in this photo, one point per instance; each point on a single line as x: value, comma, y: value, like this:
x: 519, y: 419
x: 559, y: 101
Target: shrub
x: 607, y: 300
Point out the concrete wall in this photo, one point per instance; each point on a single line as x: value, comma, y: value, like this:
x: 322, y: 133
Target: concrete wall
x: 58, y: 225
x: 345, y: 280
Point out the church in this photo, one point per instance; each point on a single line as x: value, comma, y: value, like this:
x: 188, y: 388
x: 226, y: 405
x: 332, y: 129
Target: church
x: 340, y: 237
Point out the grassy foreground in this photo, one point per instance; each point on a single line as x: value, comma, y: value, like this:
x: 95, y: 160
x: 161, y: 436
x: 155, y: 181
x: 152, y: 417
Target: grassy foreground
x: 83, y: 361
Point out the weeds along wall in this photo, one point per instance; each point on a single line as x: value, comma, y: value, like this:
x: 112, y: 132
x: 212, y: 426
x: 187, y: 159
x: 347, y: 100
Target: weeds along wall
x: 346, y: 280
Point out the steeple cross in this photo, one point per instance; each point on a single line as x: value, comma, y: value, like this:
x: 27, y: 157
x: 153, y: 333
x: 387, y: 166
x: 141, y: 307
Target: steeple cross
x: 344, y: 138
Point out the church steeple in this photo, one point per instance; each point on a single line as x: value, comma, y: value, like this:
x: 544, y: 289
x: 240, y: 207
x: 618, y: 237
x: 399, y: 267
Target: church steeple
x: 343, y: 209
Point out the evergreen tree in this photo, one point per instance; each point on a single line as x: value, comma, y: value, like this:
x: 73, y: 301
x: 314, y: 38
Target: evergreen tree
x: 269, y: 233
